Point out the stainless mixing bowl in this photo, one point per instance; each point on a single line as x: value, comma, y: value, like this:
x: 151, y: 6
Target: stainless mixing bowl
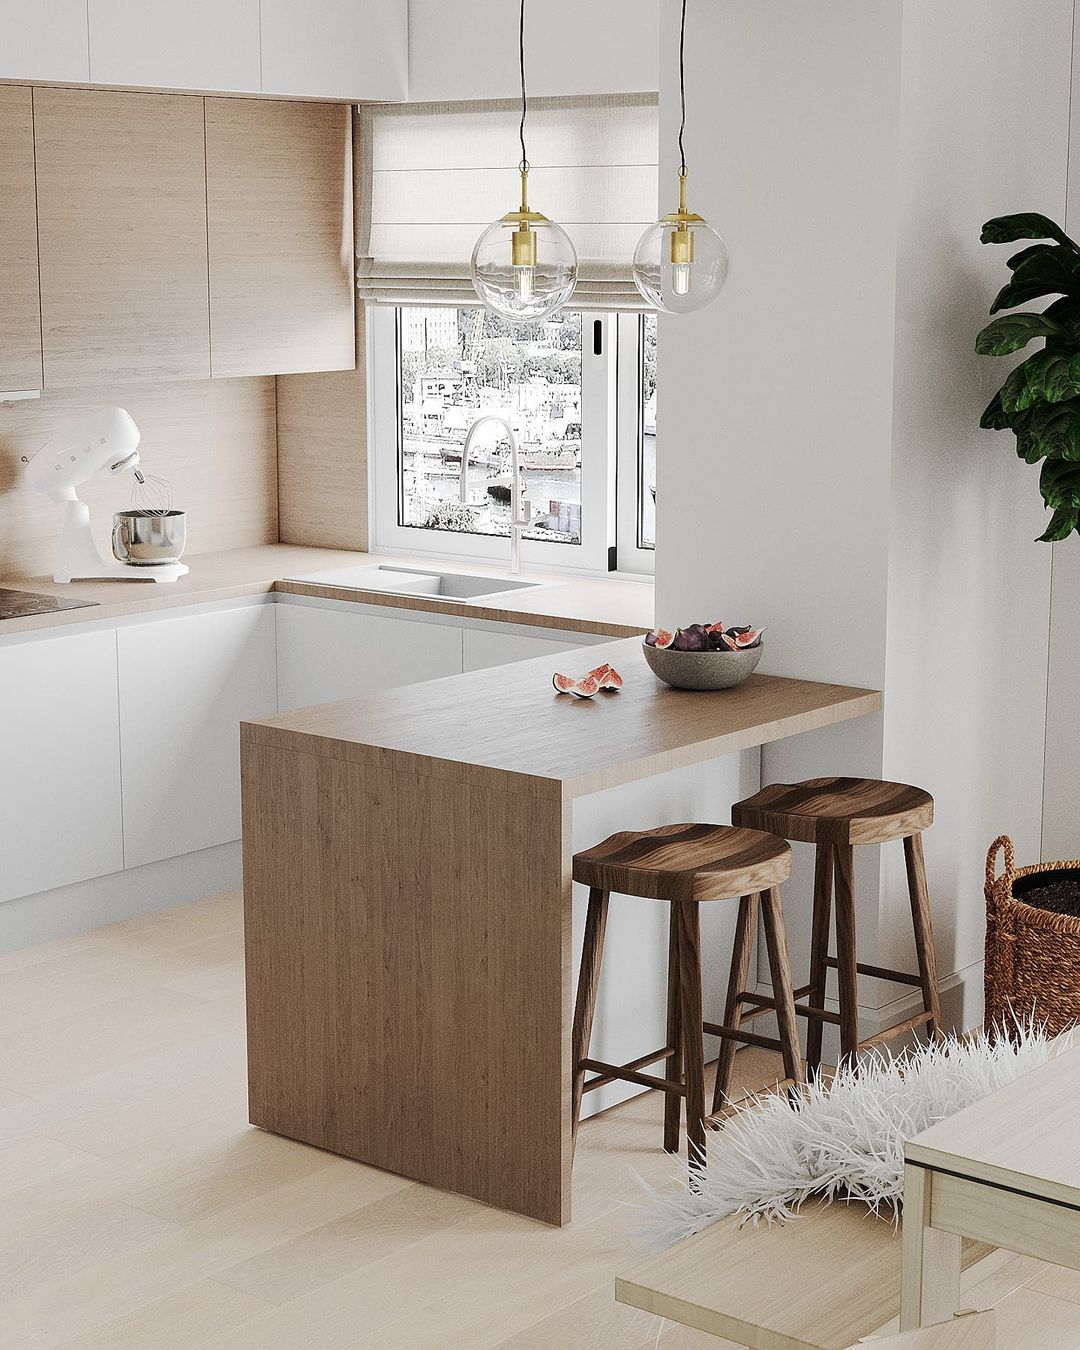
x: 148, y: 537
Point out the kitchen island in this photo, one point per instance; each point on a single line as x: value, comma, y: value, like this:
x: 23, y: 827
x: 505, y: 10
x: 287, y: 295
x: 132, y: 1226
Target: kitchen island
x: 407, y: 898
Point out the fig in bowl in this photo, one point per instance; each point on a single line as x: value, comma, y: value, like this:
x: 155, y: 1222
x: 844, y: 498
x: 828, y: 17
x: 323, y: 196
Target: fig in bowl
x: 704, y: 655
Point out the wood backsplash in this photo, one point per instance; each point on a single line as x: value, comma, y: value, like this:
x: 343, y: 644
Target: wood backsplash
x: 214, y: 440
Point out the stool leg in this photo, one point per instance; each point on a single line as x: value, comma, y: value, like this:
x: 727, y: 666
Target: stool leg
x: 592, y: 954
x: 691, y: 1014
x: 844, y: 862
x: 740, y: 966
x: 819, y: 950
x: 673, y: 1103
x: 780, y: 972
x: 924, y: 933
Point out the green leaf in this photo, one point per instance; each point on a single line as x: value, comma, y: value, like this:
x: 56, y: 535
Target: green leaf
x: 1013, y: 331
x: 1059, y: 483
x: 995, y: 418
x: 1017, y: 258
x: 1015, y: 389
x: 1024, y: 225
x: 1049, y: 430
x: 1062, y: 524
x: 1052, y: 271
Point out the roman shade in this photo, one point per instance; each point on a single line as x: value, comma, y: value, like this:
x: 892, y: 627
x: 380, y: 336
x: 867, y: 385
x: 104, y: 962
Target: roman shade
x: 433, y: 176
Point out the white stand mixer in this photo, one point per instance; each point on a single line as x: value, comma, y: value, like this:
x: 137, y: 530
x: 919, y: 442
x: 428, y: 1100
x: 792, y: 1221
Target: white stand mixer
x: 106, y: 440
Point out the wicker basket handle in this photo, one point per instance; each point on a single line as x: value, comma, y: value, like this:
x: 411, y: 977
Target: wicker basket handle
x: 1001, y: 842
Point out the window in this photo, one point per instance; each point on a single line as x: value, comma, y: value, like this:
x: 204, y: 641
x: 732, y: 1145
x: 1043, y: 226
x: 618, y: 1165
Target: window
x: 579, y: 393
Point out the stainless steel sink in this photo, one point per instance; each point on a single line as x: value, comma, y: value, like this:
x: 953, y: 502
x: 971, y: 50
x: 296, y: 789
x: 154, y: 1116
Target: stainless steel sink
x: 418, y: 581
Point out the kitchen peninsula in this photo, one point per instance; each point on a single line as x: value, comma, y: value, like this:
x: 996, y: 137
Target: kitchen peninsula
x: 407, y: 899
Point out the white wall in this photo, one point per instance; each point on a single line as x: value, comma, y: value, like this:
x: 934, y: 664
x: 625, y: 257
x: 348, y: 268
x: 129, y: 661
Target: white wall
x: 821, y: 469
x: 572, y: 47
x: 775, y: 419
x: 968, y: 588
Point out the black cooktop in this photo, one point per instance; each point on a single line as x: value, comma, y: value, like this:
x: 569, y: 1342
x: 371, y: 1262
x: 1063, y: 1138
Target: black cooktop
x: 21, y: 604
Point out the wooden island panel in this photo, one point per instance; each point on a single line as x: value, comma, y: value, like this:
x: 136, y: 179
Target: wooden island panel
x: 408, y: 906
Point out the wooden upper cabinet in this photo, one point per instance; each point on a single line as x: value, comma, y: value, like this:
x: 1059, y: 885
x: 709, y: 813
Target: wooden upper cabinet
x: 279, y: 216
x: 20, y: 315
x: 122, y: 236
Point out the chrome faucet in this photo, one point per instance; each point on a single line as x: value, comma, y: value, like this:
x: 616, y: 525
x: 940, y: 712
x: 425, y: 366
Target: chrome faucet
x: 520, y: 506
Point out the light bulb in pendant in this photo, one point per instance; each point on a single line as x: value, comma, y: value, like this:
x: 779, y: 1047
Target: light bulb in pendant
x: 680, y: 263
x: 524, y: 266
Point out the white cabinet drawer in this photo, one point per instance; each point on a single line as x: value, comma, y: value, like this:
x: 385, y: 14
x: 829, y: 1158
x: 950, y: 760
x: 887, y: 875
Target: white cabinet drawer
x: 185, y: 686
x: 59, y: 763
x: 483, y: 648
x: 327, y: 654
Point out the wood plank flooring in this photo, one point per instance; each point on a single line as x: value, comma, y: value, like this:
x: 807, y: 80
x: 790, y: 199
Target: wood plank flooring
x: 140, y: 1211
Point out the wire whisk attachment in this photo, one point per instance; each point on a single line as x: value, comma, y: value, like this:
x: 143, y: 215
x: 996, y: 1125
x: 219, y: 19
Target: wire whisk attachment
x: 150, y: 494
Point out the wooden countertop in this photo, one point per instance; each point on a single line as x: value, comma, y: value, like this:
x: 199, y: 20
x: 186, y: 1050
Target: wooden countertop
x: 509, y: 724
x: 611, y: 608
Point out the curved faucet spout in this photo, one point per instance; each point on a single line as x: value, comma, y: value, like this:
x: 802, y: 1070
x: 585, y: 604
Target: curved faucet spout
x: 520, y: 509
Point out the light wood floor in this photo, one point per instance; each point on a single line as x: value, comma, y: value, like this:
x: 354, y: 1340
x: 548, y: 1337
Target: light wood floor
x: 139, y: 1209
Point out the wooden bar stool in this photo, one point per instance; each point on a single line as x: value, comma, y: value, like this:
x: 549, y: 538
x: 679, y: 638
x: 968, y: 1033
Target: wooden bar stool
x: 836, y: 814
x: 686, y: 865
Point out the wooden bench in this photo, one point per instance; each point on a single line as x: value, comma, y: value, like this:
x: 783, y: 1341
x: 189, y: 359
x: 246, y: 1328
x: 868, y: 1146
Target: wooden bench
x: 819, y: 1282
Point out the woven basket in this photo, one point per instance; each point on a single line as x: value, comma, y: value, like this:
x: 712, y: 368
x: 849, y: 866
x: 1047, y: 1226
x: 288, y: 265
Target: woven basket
x: 1032, y: 967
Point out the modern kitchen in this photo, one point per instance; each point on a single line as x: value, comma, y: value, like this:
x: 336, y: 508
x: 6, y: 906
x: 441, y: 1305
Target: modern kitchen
x: 516, y: 636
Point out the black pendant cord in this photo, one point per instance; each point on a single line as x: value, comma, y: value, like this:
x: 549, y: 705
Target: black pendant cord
x: 524, y: 105
x: 682, y: 87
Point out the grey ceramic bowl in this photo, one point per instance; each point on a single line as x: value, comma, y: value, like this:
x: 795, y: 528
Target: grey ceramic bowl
x: 702, y: 670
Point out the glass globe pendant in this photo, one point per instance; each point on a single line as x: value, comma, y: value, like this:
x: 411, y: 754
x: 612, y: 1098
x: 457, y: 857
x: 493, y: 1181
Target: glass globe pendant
x: 524, y: 266
x: 680, y: 263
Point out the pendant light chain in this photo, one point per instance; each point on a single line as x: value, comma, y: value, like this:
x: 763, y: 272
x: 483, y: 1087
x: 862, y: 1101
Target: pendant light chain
x: 682, y: 86
x: 524, y: 166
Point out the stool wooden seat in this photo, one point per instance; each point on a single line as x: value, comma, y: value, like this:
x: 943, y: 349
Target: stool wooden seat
x: 686, y: 865
x: 836, y: 814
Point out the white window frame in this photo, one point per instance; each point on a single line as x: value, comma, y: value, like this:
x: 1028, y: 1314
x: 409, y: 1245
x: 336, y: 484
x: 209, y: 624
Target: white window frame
x: 611, y: 430
x: 629, y: 483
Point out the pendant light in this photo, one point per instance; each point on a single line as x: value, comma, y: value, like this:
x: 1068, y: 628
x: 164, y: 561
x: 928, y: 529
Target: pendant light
x: 681, y: 263
x: 524, y: 266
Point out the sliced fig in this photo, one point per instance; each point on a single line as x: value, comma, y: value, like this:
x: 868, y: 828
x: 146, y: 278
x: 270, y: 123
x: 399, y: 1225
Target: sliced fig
x: 607, y: 676
x: 746, y: 637
x: 586, y: 688
x: 661, y: 637
x: 563, y: 683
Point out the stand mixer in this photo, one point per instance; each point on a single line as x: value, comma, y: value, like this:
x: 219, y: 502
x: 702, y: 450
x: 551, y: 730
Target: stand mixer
x: 105, y: 441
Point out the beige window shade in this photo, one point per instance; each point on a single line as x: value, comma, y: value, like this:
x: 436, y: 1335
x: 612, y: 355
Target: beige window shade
x: 433, y: 176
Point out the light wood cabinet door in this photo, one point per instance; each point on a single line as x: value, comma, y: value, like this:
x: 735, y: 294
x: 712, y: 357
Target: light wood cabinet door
x: 20, y: 313
x: 279, y: 215
x: 200, y: 44
x: 122, y: 236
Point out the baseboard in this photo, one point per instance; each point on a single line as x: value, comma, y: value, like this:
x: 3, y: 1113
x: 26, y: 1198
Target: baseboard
x: 69, y: 910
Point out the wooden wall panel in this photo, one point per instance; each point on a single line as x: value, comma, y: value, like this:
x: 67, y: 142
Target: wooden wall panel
x: 214, y: 440
x: 279, y: 214
x: 20, y: 312
x: 122, y: 228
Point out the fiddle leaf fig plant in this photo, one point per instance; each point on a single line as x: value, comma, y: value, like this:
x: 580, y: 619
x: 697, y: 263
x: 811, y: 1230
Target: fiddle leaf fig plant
x: 1040, y: 399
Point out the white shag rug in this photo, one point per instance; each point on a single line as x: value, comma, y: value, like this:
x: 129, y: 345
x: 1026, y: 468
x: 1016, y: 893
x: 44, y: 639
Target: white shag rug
x: 843, y: 1140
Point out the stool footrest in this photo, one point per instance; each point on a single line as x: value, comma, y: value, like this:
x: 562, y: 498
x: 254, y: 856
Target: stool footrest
x: 746, y: 1037
x: 765, y: 1005
x: 610, y: 1072
x: 879, y: 972
x: 920, y: 1019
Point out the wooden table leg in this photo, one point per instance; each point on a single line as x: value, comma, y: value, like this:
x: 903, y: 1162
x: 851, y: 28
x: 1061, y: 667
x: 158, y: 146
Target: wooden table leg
x: 930, y: 1281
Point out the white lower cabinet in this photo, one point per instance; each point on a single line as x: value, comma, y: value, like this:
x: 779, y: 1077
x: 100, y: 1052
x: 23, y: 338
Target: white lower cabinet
x: 327, y: 654
x: 185, y: 686
x: 483, y: 648
x: 59, y: 751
